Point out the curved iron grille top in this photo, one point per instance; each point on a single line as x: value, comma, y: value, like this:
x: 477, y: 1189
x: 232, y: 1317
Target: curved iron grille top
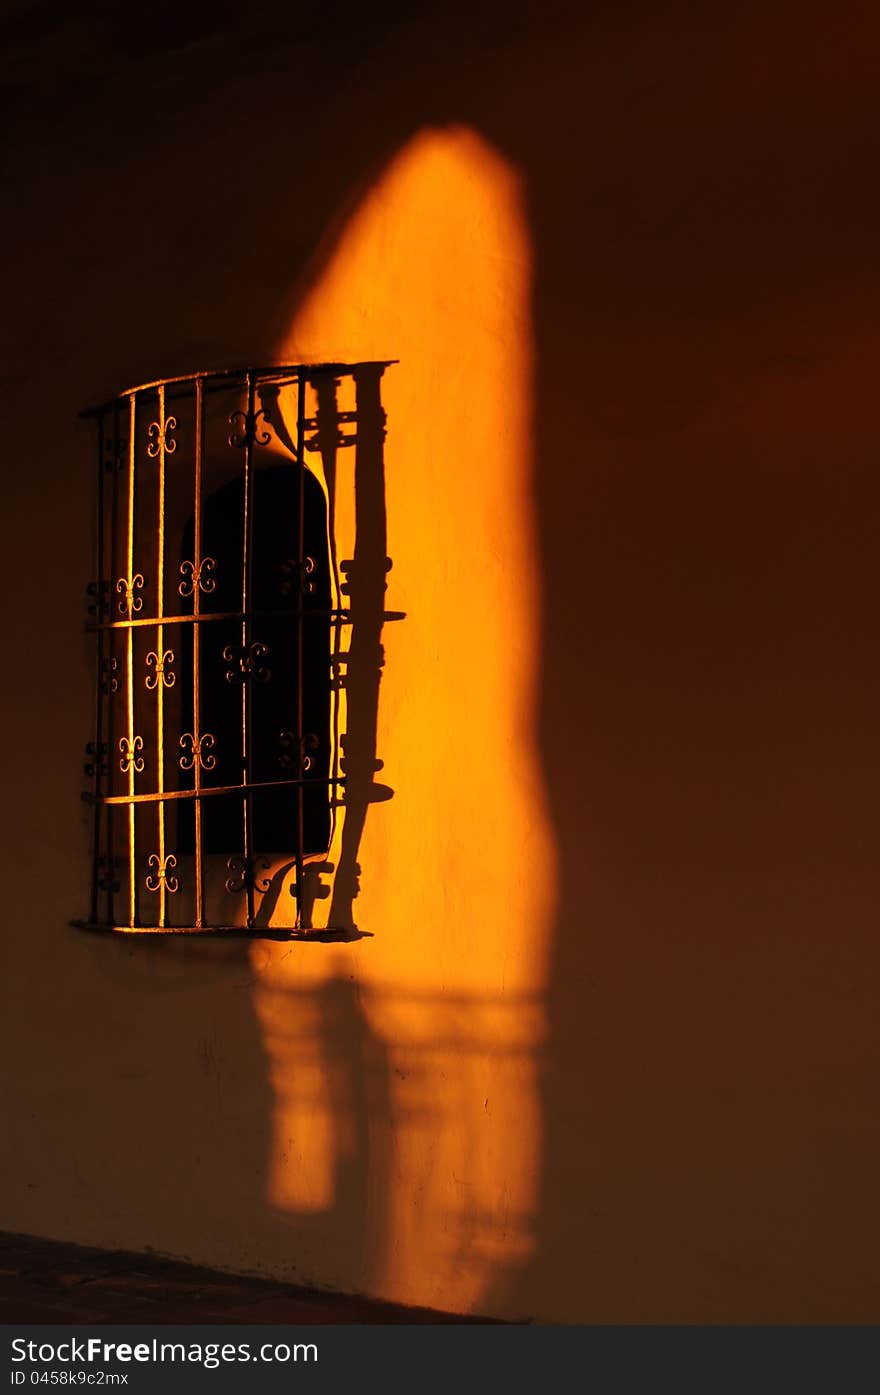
x: 217, y: 612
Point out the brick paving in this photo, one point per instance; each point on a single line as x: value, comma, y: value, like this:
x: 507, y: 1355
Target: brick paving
x: 48, y: 1281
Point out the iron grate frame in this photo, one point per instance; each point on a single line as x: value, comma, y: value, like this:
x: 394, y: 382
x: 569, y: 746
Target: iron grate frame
x: 116, y: 898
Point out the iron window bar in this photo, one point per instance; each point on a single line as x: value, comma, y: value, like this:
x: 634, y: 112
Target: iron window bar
x: 143, y: 435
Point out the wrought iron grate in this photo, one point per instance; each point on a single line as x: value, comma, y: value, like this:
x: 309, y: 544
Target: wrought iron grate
x: 217, y: 611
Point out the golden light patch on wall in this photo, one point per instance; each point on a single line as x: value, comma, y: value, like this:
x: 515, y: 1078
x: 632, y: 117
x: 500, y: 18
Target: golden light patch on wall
x: 457, y: 884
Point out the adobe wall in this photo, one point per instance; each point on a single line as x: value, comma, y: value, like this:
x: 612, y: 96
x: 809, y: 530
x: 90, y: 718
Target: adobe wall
x: 608, y: 1049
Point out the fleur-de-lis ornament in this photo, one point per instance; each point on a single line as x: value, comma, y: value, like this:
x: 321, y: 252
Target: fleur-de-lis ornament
x: 127, y: 586
x: 199, y: 750
x: 161, y: 669
x: 193, y: 577
x: 160, y: 876
x: 131, y: 759
x: 161, y: 438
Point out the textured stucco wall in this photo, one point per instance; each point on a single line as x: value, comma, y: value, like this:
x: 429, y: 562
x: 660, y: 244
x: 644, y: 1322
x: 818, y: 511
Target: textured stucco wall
x: 681, y: 1039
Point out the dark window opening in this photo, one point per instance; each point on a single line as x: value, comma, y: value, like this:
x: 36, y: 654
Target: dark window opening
x: 276, y: 592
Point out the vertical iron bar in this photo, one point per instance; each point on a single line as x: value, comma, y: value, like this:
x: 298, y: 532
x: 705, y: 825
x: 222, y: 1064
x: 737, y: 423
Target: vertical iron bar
x: 102, y: 676
x: 300, y: 562
x: 246, y: 638
x: 160, y: 651
x: 197, y: 651
x: 327, y: 419
x: 111, y: 706
x: 365, y: 612
x: 129, y: 666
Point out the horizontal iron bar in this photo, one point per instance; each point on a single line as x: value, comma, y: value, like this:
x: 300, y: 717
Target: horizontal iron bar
x: 206, y: 791
x: 142, y: 620
x: 259, y: 932
x: 220, y: 377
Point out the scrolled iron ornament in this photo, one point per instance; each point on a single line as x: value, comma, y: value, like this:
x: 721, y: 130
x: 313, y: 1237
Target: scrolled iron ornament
x: 99, y: 603
x: 115, y: 453
x: 242, y: 875
x: 249, y: 433
x: 107, y: 869
x: 199, y: 750
x: 306, y: 746
x: 305, y: 570
x: 246, y: 663
x: 161, y: 669
x: 96, y: 764
x: 131, y: 759
x: 160, y: 437
x: 197, y: 576
x: 127, y: 586
x: 286, y: 741
x: 109, y: 676
x: 160, y: 875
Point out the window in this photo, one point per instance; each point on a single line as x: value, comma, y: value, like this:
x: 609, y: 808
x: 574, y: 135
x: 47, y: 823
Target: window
x: 226, y: 635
